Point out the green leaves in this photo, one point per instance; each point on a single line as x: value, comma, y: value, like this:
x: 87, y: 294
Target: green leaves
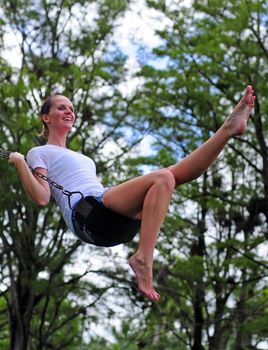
x: 210, y: 260
x: 213, y: 239
x: 61, y: 51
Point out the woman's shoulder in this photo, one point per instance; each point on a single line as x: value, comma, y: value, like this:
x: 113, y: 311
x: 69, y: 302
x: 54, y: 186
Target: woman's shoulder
x: 54, y: 150
x: 48, y: 148
x: 36, y: 149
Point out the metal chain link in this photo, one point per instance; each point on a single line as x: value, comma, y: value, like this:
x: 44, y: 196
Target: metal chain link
x: 5, y: 154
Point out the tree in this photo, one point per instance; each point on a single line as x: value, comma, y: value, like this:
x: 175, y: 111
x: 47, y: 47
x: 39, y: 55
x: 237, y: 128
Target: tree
x: 68, y: 48
x: 215, y: 237
x: 210, y: 268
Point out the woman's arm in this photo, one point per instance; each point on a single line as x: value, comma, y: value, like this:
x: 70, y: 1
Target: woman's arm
x: 36, y: 188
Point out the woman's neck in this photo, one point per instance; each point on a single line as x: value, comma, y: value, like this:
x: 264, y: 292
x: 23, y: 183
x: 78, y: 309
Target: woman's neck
x: 56, y: 141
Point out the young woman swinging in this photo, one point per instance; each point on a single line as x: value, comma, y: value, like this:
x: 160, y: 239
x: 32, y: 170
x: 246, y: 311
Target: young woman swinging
x: 145, y: 198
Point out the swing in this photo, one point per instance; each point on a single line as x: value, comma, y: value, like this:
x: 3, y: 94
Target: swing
x: 102, y: 226
x: 99, y: 225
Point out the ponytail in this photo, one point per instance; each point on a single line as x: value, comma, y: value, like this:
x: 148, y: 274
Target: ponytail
x: 45, y: 110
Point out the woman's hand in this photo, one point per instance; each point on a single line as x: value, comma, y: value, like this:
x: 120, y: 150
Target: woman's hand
x: 16, y: 158
x: 36, y: 188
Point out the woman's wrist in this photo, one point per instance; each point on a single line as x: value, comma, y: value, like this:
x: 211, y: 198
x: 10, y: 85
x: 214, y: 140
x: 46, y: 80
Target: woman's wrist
x: 17, y: 159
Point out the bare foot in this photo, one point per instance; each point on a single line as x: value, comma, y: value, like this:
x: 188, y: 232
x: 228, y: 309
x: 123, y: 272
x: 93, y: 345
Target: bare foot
x: 237, y: 120
x: 143, y: 274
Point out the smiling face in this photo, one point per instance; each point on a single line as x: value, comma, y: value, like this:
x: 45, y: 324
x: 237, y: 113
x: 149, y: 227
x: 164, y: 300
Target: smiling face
x: 60, y: 116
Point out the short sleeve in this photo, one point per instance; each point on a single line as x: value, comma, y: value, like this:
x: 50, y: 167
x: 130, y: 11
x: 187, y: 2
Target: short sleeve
x: 35, y: 159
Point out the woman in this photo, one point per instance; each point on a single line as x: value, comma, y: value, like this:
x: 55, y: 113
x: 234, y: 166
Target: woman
x: 137, y: 198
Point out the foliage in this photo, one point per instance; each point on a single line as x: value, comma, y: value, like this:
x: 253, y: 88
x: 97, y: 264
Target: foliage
x: 210, y: 266
x: 68, y: 48
x: 214, y: 251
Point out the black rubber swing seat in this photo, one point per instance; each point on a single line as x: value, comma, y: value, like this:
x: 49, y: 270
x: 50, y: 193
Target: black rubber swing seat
x: 106, y: 227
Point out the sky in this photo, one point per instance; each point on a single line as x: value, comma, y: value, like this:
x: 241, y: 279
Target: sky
x: 137, y: 26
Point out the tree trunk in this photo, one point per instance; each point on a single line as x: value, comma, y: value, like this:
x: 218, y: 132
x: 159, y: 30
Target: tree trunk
x: 199, y: 250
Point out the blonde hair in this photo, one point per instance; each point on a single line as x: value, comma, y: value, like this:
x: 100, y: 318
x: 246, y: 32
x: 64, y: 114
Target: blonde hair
x: 45, y: 110
x: 44, y: 133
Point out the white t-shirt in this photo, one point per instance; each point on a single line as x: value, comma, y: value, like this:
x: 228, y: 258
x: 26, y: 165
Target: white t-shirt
x: 74, y: 171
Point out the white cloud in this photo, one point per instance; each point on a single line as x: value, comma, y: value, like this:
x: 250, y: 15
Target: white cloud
x: 12, y: 52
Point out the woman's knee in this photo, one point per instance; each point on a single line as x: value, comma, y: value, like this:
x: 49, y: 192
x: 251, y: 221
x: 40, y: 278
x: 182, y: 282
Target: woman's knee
x: 165, y: 178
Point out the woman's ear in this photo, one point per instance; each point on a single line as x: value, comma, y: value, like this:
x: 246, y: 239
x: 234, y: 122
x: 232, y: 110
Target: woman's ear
x: 45, y: 119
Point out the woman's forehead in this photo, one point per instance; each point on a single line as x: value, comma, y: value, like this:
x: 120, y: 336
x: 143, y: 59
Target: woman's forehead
x: 59, y: 99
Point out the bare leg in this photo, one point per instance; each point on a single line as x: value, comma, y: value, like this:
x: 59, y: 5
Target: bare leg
x: 150, y: 194
x: 146, y: 197
x: 198, y: 161
x: 154, y: 211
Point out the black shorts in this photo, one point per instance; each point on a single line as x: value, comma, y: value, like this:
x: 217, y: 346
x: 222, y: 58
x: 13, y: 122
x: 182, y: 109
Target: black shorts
x: 102, y: 226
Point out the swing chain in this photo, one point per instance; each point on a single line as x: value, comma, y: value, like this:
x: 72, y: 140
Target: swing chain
x: 5, y: 154
x: 51, y: 182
